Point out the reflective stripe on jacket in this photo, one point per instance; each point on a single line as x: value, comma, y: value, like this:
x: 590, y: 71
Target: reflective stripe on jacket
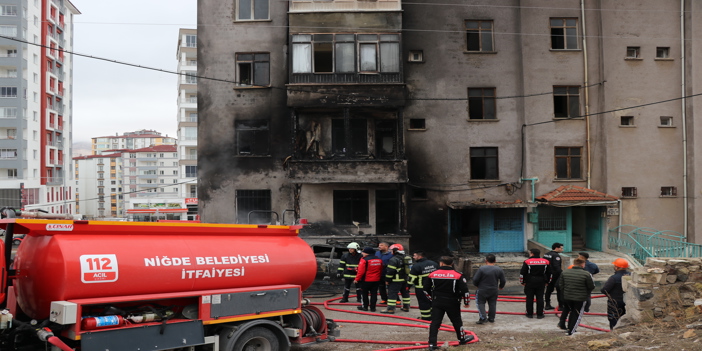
x: 348, y: 265
x: 420, y: 270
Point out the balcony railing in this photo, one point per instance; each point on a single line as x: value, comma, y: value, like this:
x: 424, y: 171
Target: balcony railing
x: 341, y: 5
x: 344, y: 78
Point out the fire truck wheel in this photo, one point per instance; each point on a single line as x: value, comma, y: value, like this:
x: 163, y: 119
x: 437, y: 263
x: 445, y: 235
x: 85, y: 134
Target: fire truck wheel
x: 256, y: 339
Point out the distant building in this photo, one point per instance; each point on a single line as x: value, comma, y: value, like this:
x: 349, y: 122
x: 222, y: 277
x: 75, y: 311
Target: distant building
x: 99, y: 186
x: 187, y: 117
x: 36, y: 104
x: 130, y: 140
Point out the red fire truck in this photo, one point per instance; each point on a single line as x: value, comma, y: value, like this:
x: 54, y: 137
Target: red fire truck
x: 92, y: 285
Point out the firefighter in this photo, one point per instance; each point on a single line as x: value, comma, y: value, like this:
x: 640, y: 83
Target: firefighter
x: 447, y: 288
x: 348, y: 265
x: 420, y: 270
x: 369, y: 277
x: 396, y: 279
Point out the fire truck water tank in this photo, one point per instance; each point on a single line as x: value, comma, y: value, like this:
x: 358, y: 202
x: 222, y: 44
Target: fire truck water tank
x: 64, y: 260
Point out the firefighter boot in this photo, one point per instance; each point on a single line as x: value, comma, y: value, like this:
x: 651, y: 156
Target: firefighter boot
x: 406, y: 307
x: 388, y: 310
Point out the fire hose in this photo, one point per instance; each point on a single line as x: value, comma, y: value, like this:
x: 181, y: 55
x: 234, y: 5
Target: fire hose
x: 425, y: 324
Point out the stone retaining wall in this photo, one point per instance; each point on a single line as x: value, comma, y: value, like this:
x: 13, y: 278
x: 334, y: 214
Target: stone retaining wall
x: 664, y: 288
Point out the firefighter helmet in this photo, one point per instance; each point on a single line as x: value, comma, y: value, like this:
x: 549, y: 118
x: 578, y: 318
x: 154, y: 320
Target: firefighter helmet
x: 354, y: 246
x: 621, y: 263
x: 397, y: 247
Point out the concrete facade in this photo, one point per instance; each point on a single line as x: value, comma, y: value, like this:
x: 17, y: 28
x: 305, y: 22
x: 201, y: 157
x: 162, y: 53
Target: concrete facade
x: 493, y: 105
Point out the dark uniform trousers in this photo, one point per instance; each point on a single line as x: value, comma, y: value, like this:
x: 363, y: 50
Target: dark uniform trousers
x: 553, y: 285
x: 423, y: 302
x: 535, y: 289
x: 396, y: 288
x: 452, y: 308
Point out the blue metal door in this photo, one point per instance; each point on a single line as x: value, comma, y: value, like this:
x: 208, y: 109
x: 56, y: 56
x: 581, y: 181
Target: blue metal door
x: 502, y: 230
x: 593, y: 227
x: 555, y: 225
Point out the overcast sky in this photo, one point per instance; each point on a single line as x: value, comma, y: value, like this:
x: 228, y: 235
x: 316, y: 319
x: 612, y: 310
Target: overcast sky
x: 109, y: 98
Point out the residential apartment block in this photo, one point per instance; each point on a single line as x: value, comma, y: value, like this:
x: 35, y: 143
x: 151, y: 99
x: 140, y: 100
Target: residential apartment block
x: 129, y: 140
x: 187, y: 117
x: 477, y: 125
x: 99, y: 186
x: 36, y: 104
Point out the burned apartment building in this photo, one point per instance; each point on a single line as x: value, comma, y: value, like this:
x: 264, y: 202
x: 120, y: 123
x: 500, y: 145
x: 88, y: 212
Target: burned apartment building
x: 470, y: 126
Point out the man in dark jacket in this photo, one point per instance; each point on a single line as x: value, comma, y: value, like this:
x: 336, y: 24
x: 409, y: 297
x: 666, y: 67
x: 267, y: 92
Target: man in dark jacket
x: 554, y: 258
x: 592, y: 268
x: 489, y: 279
x: 576, y: 284
x: 348, y: 265
x: 384, y: 254
x: 447, y: 288
x: 616, y: 307
x: 534, y: 276
x: 421, y: 269
x: 396, y: 279
x: 369, y: 277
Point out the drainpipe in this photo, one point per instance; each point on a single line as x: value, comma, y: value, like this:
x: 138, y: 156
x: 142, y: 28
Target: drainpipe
x: 532, y: 180
x: 684, y: 123
x: 619, y: 230
x: 587, y: 96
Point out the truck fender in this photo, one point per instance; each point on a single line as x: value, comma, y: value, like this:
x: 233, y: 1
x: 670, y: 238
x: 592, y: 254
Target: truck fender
x: 231, y: 333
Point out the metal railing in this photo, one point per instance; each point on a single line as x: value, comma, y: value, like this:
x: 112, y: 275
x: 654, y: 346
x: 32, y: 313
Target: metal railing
x: 642, y: 243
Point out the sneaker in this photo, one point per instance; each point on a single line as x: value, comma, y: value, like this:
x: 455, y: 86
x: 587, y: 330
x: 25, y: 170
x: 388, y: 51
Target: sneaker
x: 432, y: 348
x: 562, y: 326
x: 548, y: 307
x: 466, y: 340
x: 540, y: 316
x: 361, y: 308
x: 529, y: 315
x: 491, y: 320
x: 388, y: 311
x: 344, y: 300
x: 481, y: 321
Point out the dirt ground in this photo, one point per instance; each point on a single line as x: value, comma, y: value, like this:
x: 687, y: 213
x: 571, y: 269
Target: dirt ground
x: 511, y: 331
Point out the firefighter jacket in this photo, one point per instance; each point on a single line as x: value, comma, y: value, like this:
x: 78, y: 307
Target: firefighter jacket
x: 446, y: 283
x: 556, y: 264
x: 421, y: 270
x: 370, y: 269
x: 398, y: 268
x: 576, y: 284
x: 535, y: 270
x: 348, y: 265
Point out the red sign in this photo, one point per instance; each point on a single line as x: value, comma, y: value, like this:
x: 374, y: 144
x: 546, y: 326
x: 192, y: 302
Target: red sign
x: 191, y: 201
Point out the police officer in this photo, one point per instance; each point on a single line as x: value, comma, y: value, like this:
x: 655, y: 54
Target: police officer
x: 534, y: 276
x: 348, y: 265
x: 447, y: 288
x: 421, y: 269
x: 396, y: 279
x: 554, y: 259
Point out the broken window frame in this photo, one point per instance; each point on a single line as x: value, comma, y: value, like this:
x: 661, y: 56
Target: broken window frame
x: 359, y: 138
x: 350, y: 206
x: 479, y: 35
x: 253, y: 69
x: 568, y: 162
x: 482, y: 103
x: 566, y: 101
x: 381, y: 51
x: 564, y: 33
x: 484, y: 163
x: 253, y: 200
x: 252, y: 10
x: 384, y: 130
x: 252, y: 137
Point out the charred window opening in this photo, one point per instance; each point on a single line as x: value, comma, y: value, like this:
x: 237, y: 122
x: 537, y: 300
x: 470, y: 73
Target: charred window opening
x: 252, y: 138
x: 323, y: 54
x: 253, y: 200
x: 418, y: 194
x: 481, y: 103
x: 350, y: 206
x: 483, y: 163
x: 254, y: 69
x: 385, y: 132
x: 357, y: 144
x: 386, y: 211
x: 566, y: 102
x: 417, y: 124
x: 568, y: 162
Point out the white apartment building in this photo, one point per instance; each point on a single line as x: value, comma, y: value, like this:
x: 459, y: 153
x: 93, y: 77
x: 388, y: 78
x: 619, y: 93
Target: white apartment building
x: 99, y: 186
x: 130, y: 140
x: 187, y: 117
x: 36, y: 104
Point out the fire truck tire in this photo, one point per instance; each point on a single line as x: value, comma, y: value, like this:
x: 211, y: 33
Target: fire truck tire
x: 256, y: 339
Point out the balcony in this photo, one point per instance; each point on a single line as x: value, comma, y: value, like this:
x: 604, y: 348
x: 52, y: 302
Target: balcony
x: 346, y: 95
x: 347, y: 171
x: 344, y: 6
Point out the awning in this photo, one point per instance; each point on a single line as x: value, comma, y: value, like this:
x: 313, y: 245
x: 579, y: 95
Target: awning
x: 573, y: 195
x: 481, y: 203
x: 158, y: 210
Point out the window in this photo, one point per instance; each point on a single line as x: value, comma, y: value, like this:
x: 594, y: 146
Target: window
x: 627, y: 120
x: 190, y: 78
x: 633, y: 52
x: 479, y: 36
x: 251, y: 10
x: 254, y: 69
x: 190, y: 171
x: 629, y: 192
x: 385, y: 138
x: 8, y: 92
x: 566, y: 101
x: 357, y: 144
x: 8, y: 112
x: 191, y: 41
x: 662, y: 53
x: 417, y: 124
x: 418, y: 194
x: 568, y: 162
x: 483, y: 163
x: 8, y: 154
x: 8, y: 31
x: 8, y: 10
x: 350, y: 206
x: 336, y: 53
x: 252, y: 138
x: 669, y: 191
x: 12, y: 173
x: 481, y: 103
x: 564, y: 33
x: 253, y: 200
x: 416, y: 56
x: 553, y: 218
x: 666, y: 121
